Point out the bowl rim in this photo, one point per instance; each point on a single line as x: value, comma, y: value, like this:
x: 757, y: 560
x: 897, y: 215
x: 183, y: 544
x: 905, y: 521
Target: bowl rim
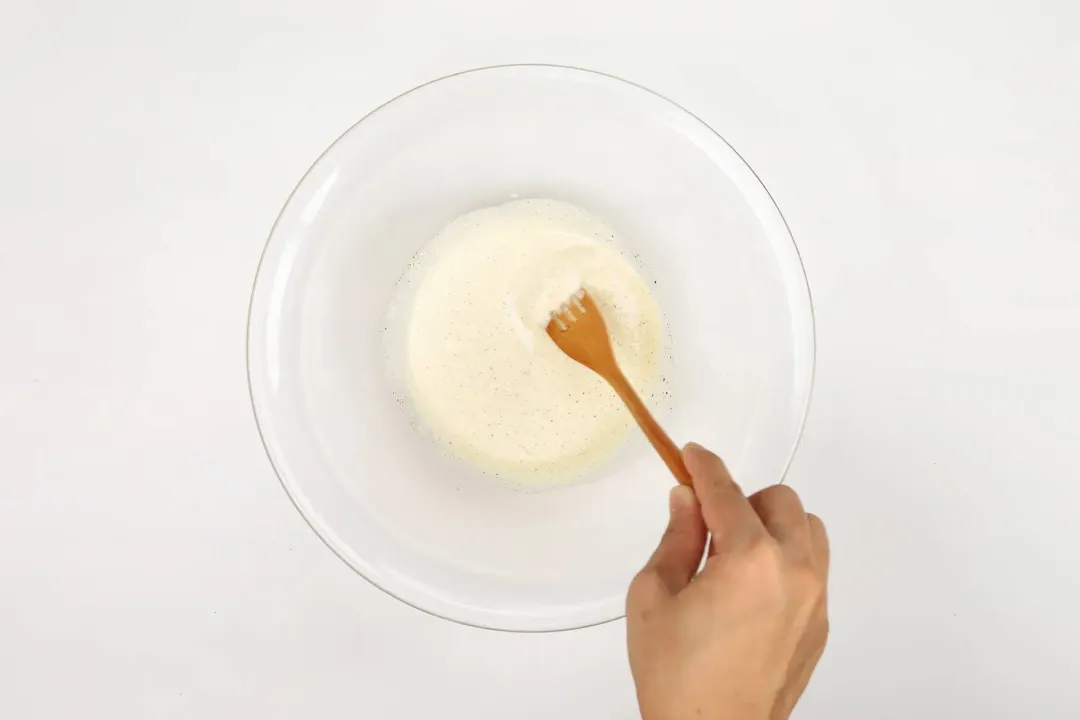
x: 294, y: 494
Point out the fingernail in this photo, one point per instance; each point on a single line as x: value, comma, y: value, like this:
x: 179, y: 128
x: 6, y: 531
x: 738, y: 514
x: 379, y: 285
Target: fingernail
x: 680, y: 498
x: 692, y: 446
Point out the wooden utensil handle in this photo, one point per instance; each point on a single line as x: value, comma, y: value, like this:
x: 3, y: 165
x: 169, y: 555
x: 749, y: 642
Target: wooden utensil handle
x: 669, y: 452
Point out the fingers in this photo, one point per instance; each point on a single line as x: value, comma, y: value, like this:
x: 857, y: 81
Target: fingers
x: 733, y: 518
x: 800, y: 534
x: 819, y: 543
x: 781, y: 512
x: 727, y: 513
x: 678, y: 555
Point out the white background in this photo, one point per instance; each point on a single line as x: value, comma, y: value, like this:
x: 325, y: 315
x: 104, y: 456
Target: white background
x: 924, y: 153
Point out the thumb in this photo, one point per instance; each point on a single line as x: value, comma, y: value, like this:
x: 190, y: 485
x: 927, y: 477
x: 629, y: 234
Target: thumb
x: 678, y: 555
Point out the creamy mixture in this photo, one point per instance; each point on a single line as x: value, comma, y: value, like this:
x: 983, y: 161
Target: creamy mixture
x: 484, y: 376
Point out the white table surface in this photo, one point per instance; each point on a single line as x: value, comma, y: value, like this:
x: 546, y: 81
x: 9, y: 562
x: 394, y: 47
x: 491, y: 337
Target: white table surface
x: 924, y: 153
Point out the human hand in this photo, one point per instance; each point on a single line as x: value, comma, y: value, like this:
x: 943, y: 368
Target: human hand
x: 740, y: 639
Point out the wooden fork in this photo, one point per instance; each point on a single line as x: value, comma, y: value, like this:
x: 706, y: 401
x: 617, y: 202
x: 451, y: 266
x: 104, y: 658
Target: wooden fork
x: 579, y: 331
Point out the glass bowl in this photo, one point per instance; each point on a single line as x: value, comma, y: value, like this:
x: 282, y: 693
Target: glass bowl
x: 338, y: 427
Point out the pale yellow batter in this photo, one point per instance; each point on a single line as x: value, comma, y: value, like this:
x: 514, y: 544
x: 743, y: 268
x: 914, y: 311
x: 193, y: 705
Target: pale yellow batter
x: 482, y: 373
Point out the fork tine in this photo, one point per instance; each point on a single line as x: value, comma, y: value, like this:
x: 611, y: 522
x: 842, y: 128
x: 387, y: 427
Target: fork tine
x: 570, y: 311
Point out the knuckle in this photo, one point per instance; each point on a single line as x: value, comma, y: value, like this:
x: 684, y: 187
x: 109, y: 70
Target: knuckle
x: 808, y: 583
x: 763, y: 549
x: 637, y: 585
x: 644, y: 589
x: 817, y: 529
x: 776, y: 496
x: 672, y: 532
x: 763, y: 559
x: 782, y: 493
x: 644, y: 599
x: 766, y: 563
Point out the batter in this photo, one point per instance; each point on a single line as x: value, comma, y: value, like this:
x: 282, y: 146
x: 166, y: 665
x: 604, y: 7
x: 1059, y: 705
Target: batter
x: 482, y: 373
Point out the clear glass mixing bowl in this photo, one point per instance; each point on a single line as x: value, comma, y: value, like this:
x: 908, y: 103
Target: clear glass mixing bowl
x: 385, y: 498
